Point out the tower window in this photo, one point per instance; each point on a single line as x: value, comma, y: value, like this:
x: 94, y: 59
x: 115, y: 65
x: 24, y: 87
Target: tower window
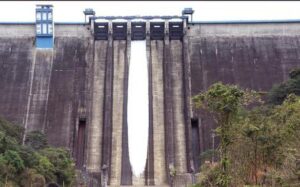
x: 49, y: 16
x: 38, y: 16
x: 44, y: 28
x: 38, y: 29
x: 44, y: 16
x: 50, y: 30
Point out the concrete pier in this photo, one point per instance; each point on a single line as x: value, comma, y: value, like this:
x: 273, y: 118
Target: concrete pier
x: 96, y: 123
x: 117, y: 112
x: 158, y: 111
x: 178, y: 106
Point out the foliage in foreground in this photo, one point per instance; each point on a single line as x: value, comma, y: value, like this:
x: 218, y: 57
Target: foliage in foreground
x: 258, y: 145
x: 34, y: 164
x: 280, y: 92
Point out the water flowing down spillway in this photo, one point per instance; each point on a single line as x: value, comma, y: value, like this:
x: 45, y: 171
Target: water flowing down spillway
x: 138, y: 115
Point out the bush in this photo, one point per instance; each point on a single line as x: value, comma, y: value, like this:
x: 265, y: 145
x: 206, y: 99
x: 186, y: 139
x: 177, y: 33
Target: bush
x: 64, y: 167
x: 280, y: 92
x: 36, y: 140
x: 11, y: 130
x: 33, y: 164
x: 30, y: 177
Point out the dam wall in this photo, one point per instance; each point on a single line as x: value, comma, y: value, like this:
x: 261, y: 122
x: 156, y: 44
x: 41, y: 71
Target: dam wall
x: 16, y: 57
x: 77, y: 92
x: 254, y: 56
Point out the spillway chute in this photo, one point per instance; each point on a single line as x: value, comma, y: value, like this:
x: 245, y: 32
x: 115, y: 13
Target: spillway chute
x: 138, y: 107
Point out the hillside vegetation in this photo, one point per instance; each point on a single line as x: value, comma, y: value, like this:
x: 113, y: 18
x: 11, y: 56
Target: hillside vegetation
x: 259, y: 141
x: 34, y: 164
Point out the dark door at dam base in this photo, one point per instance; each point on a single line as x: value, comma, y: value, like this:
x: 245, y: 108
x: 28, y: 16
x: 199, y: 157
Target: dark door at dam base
x: 196, y: 143
x: 80, y: 143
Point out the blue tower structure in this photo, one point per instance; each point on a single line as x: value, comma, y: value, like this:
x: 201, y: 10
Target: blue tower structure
x: 44, y: 26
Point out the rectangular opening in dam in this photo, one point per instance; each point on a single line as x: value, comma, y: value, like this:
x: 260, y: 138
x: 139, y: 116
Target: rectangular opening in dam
x: 157, y: 30
x: 196, y: 143
x: 119, y: 30
x: 176, y: 30
x: 101, y: 31
x: 138, y: 30
x: 138, y: 107
x: 80, y: 143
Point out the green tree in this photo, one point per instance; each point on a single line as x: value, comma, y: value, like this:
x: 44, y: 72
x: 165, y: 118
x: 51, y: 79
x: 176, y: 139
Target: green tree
x: 36, y: 140
x: 32, y: 164
x: 64, y: 167
x: 292, y: 86
x: 11, y: 130
x: 11, y: 165
x: 267, y: 139
x: 45, y: 168
x: 223, y: 101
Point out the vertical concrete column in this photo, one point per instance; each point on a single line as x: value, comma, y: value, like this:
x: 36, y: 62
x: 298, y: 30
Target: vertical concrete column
x: 126, y: 172
x: 117, y: 110
x: 168, y: 105
x: 149, y: 171
x: 120, y: 59
x: 178, y: 106
x: 156, y: 81
x: 108, y: 101
x: 95, y: 127
x: 187, y: 98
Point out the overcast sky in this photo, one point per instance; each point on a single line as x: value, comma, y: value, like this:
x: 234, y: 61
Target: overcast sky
x: 67, y: 11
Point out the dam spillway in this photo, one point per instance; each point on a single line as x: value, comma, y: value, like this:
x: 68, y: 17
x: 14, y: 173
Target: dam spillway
x: 138, y: 107
x: 77, y: 91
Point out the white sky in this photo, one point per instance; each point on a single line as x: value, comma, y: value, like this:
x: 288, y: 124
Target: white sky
x: 66, y: 11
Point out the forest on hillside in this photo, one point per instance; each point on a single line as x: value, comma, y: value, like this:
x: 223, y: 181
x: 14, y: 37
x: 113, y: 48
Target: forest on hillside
x: 33, y: 164
x: 259, y: 138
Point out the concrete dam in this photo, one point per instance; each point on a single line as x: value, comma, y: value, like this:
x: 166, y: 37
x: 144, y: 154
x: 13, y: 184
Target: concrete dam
x: 76, y: 91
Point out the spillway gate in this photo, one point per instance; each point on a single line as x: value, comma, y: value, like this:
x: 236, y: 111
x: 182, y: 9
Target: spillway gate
x: 138, y: 27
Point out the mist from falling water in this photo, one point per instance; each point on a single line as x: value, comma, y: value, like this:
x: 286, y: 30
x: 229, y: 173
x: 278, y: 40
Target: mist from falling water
x: 138, y: 115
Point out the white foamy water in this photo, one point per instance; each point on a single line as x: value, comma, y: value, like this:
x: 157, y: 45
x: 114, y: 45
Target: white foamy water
x: 138, y: 115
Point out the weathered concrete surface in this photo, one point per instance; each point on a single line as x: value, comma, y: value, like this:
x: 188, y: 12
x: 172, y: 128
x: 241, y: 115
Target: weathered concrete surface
x: 168, y: 109
x: 178, y: 103
x: 158, y: 121
x: 126, y: 171
x: 253, y: 56
x: 69, y: 63
x: 117, y: 112
x: 18, y: 31
x: 107, y: 111
x: 16, y: 56
x: 169, y: 141
x: 96, y: 117
x: 67, y: 87
x: 36, y: 111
